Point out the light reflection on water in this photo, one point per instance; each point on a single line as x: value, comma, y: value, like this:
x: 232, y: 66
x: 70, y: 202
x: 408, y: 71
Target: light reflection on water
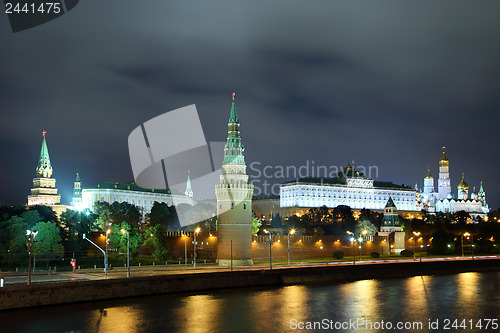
x: 461, y: 296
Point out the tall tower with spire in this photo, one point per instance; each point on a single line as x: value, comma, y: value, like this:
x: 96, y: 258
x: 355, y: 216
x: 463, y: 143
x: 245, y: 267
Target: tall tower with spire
x: 444, y: 184
x: 77, y: 193
x: 234, y: 201
x: 44, y: 190
x: 189, y: 191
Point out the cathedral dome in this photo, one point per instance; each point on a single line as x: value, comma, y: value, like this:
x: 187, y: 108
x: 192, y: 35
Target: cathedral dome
x: 444, y: 159
x: 463, y: 186
x: 428, y: 175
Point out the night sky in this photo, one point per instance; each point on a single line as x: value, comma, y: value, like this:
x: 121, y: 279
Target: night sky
x: 393, y: 80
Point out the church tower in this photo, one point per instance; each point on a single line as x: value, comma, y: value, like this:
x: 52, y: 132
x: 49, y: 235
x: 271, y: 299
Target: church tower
x: 77, y: 193
x: 44, y: 190
x: 482, y: 196
x: 428, y: 182
x: 463, y: 189
x: 391, y: 219
x: 234, y: 201
x: 189, y: 191
x: 444, y: 184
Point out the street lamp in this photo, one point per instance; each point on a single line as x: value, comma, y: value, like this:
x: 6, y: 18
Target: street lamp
x: 360, y: 242
x: 106, y: 255
x: 194, y: 242
x: 185, y: 251
x: 414, y: 241
x: 270, y: 246
x: 290, y: 233
x: 31, y: 239
x: 420, y: 249
x: 128, y: 250
x: 353, y: 240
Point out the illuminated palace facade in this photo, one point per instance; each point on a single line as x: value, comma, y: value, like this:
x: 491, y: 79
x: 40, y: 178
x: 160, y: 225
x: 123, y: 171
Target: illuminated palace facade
x: 350, y: 188
x: 131, y: 193
x: 443, y: 200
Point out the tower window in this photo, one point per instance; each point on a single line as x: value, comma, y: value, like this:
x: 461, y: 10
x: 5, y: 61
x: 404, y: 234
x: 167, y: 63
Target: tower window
x: 232, y: 205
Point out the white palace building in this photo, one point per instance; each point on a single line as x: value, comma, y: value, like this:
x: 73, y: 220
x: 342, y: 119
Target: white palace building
x: 350, y: 188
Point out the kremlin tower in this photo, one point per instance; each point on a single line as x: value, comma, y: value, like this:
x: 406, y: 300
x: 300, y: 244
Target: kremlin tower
x: 44, y: 191
x: 234, y: 202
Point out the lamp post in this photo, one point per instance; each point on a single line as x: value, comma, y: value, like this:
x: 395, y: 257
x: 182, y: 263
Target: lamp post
x: 466, y: 235
x: 185, y: 251
x: 128, y: 250
x: 270, y: 246
x: 288, y: 249
x: 420, y: 248
x: 472, y: 246
x: 360, y: 242
x: 106, y: 255
x: 31, y: 238
x: 414, y: 241
x: 194, y: 242
x: 353, y: 240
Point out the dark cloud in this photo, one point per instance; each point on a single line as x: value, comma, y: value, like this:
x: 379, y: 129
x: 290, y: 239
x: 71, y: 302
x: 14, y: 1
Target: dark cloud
x: 394, y: 81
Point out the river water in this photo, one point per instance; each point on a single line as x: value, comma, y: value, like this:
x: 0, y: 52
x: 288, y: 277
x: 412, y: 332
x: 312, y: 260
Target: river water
x: 472, y: 299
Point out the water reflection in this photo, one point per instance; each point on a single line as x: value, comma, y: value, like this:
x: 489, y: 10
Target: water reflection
x: 462, y: 296
x: 120, y: 319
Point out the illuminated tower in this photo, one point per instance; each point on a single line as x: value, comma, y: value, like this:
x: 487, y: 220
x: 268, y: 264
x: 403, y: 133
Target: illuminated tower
x: 428, y: 182
x: 44, y: 190
x: 189, y: 191
x: 77, y: 193
x: 234, y: 201
x: 462, y: 189
x: 444, y: 185
x: 482, y: 196
x: 391, y: 219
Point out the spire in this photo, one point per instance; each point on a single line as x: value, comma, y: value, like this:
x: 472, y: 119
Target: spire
x: 233, y: 150
x: 189, y: 191
x: 390, y: 203
x: 233, y: 118
x: 77, y: 177
x: 428, y: 175
x: 444, y: 159
x: 481, y: 188
x: 44, y: 168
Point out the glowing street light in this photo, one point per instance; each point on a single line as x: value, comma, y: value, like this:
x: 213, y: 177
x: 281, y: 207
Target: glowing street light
x: 106, y: 256
x: 290, y: 233
x: 414, y: 241
x: 103, y: 252
x: 31, y: 239
x: 353, y: 240
x: 128, y: 250
x: 194, y: 242
x: 270, y: 247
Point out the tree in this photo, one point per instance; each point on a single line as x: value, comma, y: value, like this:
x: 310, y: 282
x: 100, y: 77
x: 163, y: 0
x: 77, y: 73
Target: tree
x: 155, y: 239
x: 118, y: 239
x: 17, y: 226
x: 256, y: 224
x: 78, y: 223
x: 363, y: 225
x: 48, y: 241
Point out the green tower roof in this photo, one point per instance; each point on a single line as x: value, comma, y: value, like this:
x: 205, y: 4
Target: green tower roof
x: 390, y: 203
x: 188, y: 183
x: 233, y: 117
x: 44, y: 168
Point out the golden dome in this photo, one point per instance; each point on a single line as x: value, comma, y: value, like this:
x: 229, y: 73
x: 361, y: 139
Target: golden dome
x: 443, y: 159
x: 428, y: 175
x: 463, y: 185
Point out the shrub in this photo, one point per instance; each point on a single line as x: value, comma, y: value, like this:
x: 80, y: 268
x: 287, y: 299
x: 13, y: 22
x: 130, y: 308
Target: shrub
x: 375, y: 255
x: 406, y: 253
x: 338, y: 254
